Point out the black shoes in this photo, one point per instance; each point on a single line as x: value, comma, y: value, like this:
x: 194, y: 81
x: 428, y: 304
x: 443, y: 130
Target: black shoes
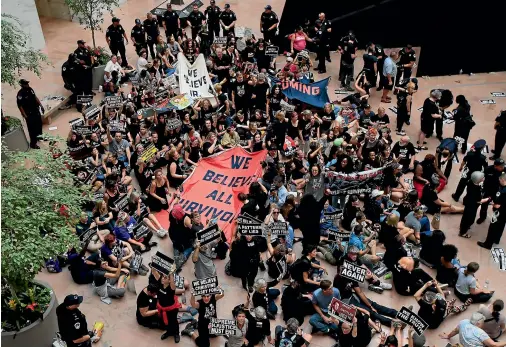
x: 177, y: 338
x: 480, y: 220
x: 483, y: 245
x: 454, y: 197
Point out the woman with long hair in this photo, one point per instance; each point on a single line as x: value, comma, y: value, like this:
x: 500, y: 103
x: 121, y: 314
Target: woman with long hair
x: 175, y: 174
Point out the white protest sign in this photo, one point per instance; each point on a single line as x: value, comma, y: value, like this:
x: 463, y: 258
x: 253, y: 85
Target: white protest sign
x: 194, y: 79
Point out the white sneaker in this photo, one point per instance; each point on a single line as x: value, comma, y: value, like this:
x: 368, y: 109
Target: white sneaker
x: 386, y: 286
x: 161, y: 233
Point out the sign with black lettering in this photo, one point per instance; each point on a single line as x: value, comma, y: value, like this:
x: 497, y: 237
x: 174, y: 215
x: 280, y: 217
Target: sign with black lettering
x: 341, y: 311
x: 278, y: 228
x: 341, y: 91
x: 179, y: 281
x: 498, y: 94
x: 87, y: 235
x: 136, y: 261
x: 410, y: 318
x: 170, y: 81
x: 83, y: 130
x: 272, y: 51
x: 140, y: 230
x: 333, y: 216
x: 247, y: 226
x: 338, y: 236
x: 92, y: 112
x: 281, y: 265
x: 220, y: 40
x: 146, y: 112
x: 91, y: 176
x: 162, y: 263
x: 205, y: 286
x: 499, y: 257
x: 208, y: 234
x: 488, y: 102
x: 380, y: 270
x: 98, y: 197
x: 222, y: 327
x: 161, y: 96
x: 84, y: 99
x: 122, y: 202
x: 116, y: 127
x: 76, y: 122
x: 113, y: 101
x: 135, y: 80
x: 148, y: 153
x: 286, y: 106
x: 173, y: 123
x: 353, y: 272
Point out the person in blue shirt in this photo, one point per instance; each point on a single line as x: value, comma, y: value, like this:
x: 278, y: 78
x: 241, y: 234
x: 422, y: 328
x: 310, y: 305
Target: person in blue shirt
x: 326, y: 225
x: 124, y: 232
x: 366, y: 246
x: 278, y: 192
x: 321, y: 320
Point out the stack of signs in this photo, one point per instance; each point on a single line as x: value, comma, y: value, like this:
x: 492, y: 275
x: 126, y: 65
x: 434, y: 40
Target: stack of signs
x: 92, y: 112
x: 220, y: 40
x: 278, y: 229
x: 247, y: 225
x: 83, y: 130
x: 87, y: 235
x: 488, y: 102
x: 113, y: 101
x: 136, y: 261
x: 222, y: 327
x: 499, y: 257
x: 162, y: 97
x: 498, y: 94
x: 148, y: 153
x: 122, y: 203
x: 286, y: 106
x: 76, y: 122
x: 341, y: 311
x: 140, y: 230
x: 163, y: 264
x: 335, y: 236
x: 84, y: 99
x: 410, y: 318
x: 206, y: 286
x: 353, y: 272
x: 179, y: 281
x: 116, y: 127
x: 173, y: 123
x: 333, y: 216
x: 272, y: 51
x: 208, y: 234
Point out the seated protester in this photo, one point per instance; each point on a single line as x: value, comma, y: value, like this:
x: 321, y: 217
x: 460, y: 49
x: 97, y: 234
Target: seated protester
x: 366, y: 116
x: 433, y: 202
x: 192, y: 153
x: 292, y: 335
x: 371, y: 162
x: 408, y: 278
x: 426, y: 171
x: 306, y: 271
x: 116, y: 251
x: 332, y: 251
x: 158, y: 192
x: 81, y: 268
x: 408, y: 204
x: 366, y: 246
x: 395, y: 252
x: 104, y: 218
x: 432, y: 248
x: 294, y: 304
x: 467, y: 288
x: 134, y: 206
x: 404, y: 153
x: 321, y: 320
x: 181, y: 234
x: 359, y: 333
x: 433, y: 307
x: 447, y: 270
x: 380, y: 119
x: 389, y: 230
x: 326, y: 225
x: 109, y: 282
x: 279, y: 261
x: 419, y: 222
x: 203, y: 261
x: 175, y: 174
x: 471, y: 333
x: 495, y: 321
x: 85, y: 223
x: 393, y: 182
x: 259, y: 326
x: 238, y: 339
x: 123, y: 232
x: 360, y: 219
x: 210, y: 146
x: 264, y: 297
x: 373, y: 206
x: 351, y: 208
x: 147, y: 313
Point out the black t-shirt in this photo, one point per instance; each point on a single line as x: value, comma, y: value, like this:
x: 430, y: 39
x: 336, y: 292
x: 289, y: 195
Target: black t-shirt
x: 369, y: 60
x: 170, y: 18
x: 207, y: 311
x: 404, y: 153
x: 72, y: 324
x: 144, y: 300
x: 327, y: 119
x: 429, y: 197
x: 299, y: 267
x: 260, y: 299
x: 387, y: 235
x: 363, y: 333
x: 196, y: 18
x: 501, y: 119
x: 228, y: 17
x: 240, y: 91
x: 432, y: 317
x: 475, y: 161
x: 473, y: 195
x: 380, y: 120
x: 391, y: 180
x: 99, y: 277
x: 260, y: 91
x: 116, y: 168
x: 349, y: 45
x: 166, y: 296
x: 429, y: 108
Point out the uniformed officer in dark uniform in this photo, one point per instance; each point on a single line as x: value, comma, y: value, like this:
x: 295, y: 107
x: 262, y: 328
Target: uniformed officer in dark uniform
x: 490, y: 185
x: 500, y: 135
x: 269, y: 24
x: 152, y: 32
x: 171, y: 23
x: 407, y: 59
x: 472, y: 200
x: 498, y: 220
x: 323, y: 30
x: 72, y: 322
x: 84, y: 71
x: 196, y: 19
x: 227, y: 20
x: 138, y: 36
x: 380, y: 56
x: 31, y: 109
x: 348, y: 46
x: 114, y: 36
x: 473, y: 161
x: 212, y: 13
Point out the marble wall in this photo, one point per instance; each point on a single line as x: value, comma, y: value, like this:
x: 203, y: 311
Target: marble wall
x: 26, y: 11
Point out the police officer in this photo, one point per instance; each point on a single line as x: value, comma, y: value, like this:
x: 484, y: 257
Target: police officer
x: 491, y: 185
x: 472, y: 200
x: 323, y: 30
x: 227, y: 20
x: 152, y: 32
x: 31, y: 109
x: 72, y: 322
x: 70, y: 77
x: 269, y: 24
x: 370, y: 66
x: 114, y: 36
x: 212, y: 13
x: 196, y: 19
x: 498, y: 220
x: 138, y: 36
x: 84, y: 69
x: 380, y: 56
x: 500, y: 135
x: 171, y: 23
x: 473, y: 161
x: 348, y: 46
x: 407, y: 58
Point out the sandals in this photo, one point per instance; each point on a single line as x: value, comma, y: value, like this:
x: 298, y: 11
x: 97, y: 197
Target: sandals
x: 466, y: 236
x: 468, y: 302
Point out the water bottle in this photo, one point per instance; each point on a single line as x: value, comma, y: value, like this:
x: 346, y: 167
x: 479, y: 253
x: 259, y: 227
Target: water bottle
x: 487, y: 282
x: 100, y: 88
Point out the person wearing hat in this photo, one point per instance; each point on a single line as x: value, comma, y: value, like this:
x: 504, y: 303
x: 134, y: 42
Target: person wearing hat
x: 196, y: 20
x: 114, y: 36
x: 227, y: 20
x: 72, y: 322
x: 472, y: 200
x: 500, y: 135
x: 491, y: 185
x: 84, y: 71
x: 31, y: 109
x: 213, y: 13
x: 152, y: 32
x: 473, y: 161
x: 498, y: 219
x: 171, y: 23
x: 138, y: 36
x: 269, y: 24
x: 407, y: 59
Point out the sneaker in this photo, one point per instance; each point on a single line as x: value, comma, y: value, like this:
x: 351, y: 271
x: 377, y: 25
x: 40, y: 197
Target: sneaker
x: 483, y: 245
x: 188, y: 331
x: 401, y: 133
x: 386, y: 286
x: 376, y: 289
x: 153, y: 243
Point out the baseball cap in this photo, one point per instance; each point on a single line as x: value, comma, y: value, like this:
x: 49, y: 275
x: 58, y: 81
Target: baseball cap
x: 81, y: 42
x: 376, y: 192
x: 137, y: 21
x: 23, y: 81
x: 499, y: 161
x: 480, y: 144
x: 72, y: 299
x: 227, y: 5
x: 268, y: 7
x: 115, y: 19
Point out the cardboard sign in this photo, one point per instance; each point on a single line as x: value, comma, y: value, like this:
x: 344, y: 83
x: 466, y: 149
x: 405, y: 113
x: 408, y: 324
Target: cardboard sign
x: 286, y: 106
x: 205, y: 286
x: 76, y: 122
x: 148, y: 153
x: 353, y: 272
x: 410, y: 318
x: 179, y: 281
x: 140, y: 230
x: 272, y: 51
x: 281, y: 265
x: 380, y: 270
x: 338, y: 236
x: 84, y: 99
x: 247, y: 226
x: 87, y: 235
x: 341, y: 311
x: 173, y: 123
x: 162, y: 263
x: 136, y: 261
x: 250, y: 217
x: 499, y: 257
x: 91, y: 176
x: 208, y: 234
x: 135, y: 80
x: 333, y: 216
x: 92, y: 112
x: 121, y: 203
x: 278, y: 228
x: 222, y: 326
x: 488, y: 102
x: 498, y: 94
x: 220, y: 40
x: 83, y: 130
x: 113, y: 101
x: 98, y: 197
x: 116, y: 127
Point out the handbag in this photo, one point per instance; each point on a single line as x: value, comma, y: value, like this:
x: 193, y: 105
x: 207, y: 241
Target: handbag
x: 436, y: 219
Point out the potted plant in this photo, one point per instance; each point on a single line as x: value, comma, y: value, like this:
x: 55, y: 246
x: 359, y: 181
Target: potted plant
x: 13, y: 135
x: 102, y: 56
x: 39, y: 203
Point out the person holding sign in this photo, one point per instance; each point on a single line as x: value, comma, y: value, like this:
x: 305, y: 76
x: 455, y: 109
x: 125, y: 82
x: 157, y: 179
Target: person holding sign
x: 109, y: 282
x: 116, y: 251
x: 321, y: 320
x: 357, y: 334
x: 204, y: 265
x: 123, y: 229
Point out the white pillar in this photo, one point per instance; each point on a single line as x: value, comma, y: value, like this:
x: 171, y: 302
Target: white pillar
x: 26, y: 12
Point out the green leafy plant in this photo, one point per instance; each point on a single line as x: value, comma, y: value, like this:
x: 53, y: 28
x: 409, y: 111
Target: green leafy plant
x: 90, y: 13
x: 17, y: 55
x: 102, y: 56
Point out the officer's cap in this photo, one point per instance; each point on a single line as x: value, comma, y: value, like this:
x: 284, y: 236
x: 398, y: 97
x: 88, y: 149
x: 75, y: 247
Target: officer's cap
x: 227, y: 5
x: 479, y: 145
x: 73, y: 299
x: 81, y: 42
x: 23, y: 82
x: 268, y: 7
x: 115, y: 19
x: 499, y: 162
x: 137, y: 21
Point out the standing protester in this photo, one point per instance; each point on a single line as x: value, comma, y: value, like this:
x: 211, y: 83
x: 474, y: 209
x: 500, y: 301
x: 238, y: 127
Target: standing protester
x: 430, y: 112
x: 348, y: 46
x: 269, y: 24
x: 407, y: 58
x: 500, y: 135
x: 380, y: 55
x: 498, y: 220
x: 138, y: 36
x: 491, y: 185
x: 84, y: 72
x: 171, y: 23
x: 389, y: 75
x: 323, y: 29
x: 473, y: 161
x: 212, y: 13
x: 196, y: 19
x: 404, y: 102
x: 370, y: 66
x: 227, y: 20
x: 114, y: 36
x: 472, y: 200
x: 32, y: 110
x: 463, y: 121
x: 72, y: 322
x: 152, y: 31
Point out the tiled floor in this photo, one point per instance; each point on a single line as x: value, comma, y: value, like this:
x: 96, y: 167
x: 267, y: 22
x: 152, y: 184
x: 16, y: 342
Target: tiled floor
x: 121, y: 329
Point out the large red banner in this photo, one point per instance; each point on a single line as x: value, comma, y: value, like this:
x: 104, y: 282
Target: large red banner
x: 213, y: 187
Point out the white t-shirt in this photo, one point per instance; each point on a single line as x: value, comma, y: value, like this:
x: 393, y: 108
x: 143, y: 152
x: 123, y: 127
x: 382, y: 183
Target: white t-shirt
x: 110, y: 67
x: 141, y: 64
x: 470, y: 335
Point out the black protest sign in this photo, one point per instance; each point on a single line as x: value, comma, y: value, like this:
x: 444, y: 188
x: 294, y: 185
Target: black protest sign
x: 208, y: 234
x: 488, y: 102
x: 222, y: 326
x: 136, y: 262
x: 353, y: 272
x: 173, y: 123
x: 281, y: 265
x: 338, y: 236
x: 83, y: 130
x: 91, y: 176
x: 341, y: 91
x: 84, y: 99
x: 278, y: 228
x: 79, y: 148
x: 252, y: 218
x: 272, y: 51
x: 247, y: 226
x: 121, y: 203
x: 140, y: 230
x: 341, y: 311
x: 333, y: 216
x: 498, y: 94
x: 87, y: 235
x: 76, y: 122
x: 148, y: 153
x: 113, y: 101
x: 220, y: 40
x: 393, y: 109
x: 161, y: 96
x: 134, y: 80
x: 410, y: 318
x: 205, y: 286
x: 98, y: 197
x: 380, y: 270
x: 116, y: 127
x: 179, y: 281
x: 92, y: 112
x: 162, y: 263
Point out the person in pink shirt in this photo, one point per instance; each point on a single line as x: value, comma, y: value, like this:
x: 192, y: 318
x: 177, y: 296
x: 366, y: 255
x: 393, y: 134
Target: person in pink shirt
x: 298, y: 41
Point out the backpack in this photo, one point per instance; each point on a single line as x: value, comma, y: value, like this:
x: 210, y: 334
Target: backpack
x: 53, y: 266
x: 286, y: 341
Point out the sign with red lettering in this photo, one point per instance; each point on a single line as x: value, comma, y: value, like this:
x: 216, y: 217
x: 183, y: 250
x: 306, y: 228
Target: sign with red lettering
x: 213, y: 187
x: 314, y: 94
x: 343, y: 312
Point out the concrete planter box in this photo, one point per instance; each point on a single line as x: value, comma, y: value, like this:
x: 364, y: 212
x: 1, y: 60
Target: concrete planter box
x: 40, y: 333
x: 98, y: 76
x: 16, y: 141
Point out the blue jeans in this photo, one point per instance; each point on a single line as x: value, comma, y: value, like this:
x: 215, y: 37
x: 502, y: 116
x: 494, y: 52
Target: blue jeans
x: 289, y: 238
x: 425, y: 223
x: 318, y: 324
x: 272, y: 294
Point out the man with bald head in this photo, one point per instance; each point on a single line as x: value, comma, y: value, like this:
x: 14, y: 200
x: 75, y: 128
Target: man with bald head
x: 389, y: 75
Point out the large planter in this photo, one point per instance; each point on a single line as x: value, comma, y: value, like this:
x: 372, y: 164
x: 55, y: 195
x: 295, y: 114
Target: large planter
x: 98, y: 76
x: 16, y: 141
x: 38, y: 334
